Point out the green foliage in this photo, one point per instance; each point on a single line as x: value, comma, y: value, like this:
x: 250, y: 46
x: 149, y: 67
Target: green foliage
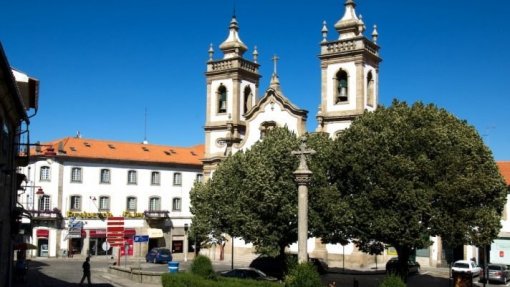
x: 303, y: 275
x: 184, y: 279
x: 411, y: 172
x: 202, y: 266
x: 392, y: 281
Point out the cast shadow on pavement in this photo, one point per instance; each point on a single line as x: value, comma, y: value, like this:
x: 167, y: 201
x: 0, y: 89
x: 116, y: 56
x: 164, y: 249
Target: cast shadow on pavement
x: 35, y: 278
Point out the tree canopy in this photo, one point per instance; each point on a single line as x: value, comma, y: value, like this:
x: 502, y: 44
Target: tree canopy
x: 253, y: 195
x: 410, y: 172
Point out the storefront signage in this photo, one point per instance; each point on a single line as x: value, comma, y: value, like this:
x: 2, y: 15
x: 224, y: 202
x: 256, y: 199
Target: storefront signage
x: 141, y: 238
x: 74, y: 228
x: 115, y: 231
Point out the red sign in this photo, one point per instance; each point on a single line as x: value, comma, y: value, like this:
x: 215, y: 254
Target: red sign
x: 130, y: 250
x: 501, y: 253
x: 115, y: 231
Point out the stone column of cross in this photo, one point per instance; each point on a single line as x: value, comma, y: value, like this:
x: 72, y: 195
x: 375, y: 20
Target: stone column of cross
x: 303, y: 176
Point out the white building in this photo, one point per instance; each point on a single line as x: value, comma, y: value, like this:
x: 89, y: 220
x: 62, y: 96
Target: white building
x: 86, y: 180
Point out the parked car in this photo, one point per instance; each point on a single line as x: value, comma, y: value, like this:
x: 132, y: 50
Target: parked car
x: 498, y: 272
x: 393, y: 263
x: 467, y: 266
x: 272, y: 266
x: 158, y: 255
x: 248, y: 273
x: 320, y: 265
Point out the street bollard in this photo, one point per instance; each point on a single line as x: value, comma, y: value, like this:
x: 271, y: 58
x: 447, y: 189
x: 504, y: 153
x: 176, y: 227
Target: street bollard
x: 355, y: 283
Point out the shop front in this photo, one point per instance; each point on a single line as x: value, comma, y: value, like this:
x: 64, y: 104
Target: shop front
x: 98, y: 245
x: 42, y: 242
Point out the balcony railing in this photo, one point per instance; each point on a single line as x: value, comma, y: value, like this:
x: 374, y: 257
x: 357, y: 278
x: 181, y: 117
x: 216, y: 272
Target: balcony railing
x: 46, y: 214
x: 156, y: 214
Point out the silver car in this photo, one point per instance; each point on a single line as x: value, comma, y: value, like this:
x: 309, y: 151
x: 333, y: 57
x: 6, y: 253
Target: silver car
x: 498, y: 272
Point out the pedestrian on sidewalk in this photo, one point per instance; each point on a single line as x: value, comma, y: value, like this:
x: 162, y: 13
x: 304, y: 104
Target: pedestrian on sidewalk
x: 86, y: 272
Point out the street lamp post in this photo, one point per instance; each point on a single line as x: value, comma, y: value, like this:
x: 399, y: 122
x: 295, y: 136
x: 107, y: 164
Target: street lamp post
x: 186, y: 227
x: 303, y: 177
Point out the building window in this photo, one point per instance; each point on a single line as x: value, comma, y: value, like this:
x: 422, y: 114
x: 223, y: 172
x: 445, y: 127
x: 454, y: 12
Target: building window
x: 176, y: 204
x: 76, y: 174
x: 132, y: 177
x: 200, y: 177
x: 45, y: 173
x: 370, y: 89
x: 131, y: 203
x: 155, y: 178
x: 342, y: 87
x: 44, y: 202
x: 105, y: 176
x: 222, y: 99
x: 177, y: 178
x: 75, y: 203
x: 104, y: 203
x: 265, y: 127
x: 154, y: 204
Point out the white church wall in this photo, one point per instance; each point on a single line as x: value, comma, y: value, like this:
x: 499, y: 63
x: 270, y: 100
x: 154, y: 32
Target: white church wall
x: 271, y: 112
x: 214, y: 148
x: 333, y: 128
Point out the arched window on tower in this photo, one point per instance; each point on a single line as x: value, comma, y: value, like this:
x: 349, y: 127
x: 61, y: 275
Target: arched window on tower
x: 342, y: 87
x: 370, y: 89
x: 247, y: 99
x: 222, y: 99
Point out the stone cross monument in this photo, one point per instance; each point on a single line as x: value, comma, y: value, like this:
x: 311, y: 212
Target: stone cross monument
x: 303, y: 176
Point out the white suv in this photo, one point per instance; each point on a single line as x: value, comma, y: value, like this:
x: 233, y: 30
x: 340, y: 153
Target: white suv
x: 466, y: 266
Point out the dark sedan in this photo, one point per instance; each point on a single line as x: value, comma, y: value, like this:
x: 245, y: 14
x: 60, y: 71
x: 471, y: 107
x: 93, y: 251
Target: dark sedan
x: 393, y: 263
x: 158, y: 255
x: 248, y: 273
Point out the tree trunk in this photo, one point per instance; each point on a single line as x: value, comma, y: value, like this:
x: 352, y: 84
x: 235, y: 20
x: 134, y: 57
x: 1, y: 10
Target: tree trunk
x: 404, y: 253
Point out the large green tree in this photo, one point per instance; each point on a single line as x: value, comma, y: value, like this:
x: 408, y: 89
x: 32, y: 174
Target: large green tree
x: 253, y: 195
x: 411, y: 172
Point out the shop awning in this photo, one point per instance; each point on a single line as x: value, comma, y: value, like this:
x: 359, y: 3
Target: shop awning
x: 155, y: 233
x: 129, y: 232
x: 42, y: 233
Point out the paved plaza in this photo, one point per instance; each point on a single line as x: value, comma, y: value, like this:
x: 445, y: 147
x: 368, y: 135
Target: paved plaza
x: 60, y: 272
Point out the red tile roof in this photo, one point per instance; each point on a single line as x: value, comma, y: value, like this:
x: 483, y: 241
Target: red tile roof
x: 504, y: 169
x: 93, y: 149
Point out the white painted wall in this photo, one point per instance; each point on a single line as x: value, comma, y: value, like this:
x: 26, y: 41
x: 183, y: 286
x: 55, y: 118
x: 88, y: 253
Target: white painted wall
x: 275, y: 113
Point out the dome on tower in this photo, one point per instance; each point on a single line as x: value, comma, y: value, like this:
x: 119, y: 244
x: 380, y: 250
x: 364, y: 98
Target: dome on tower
x: 233, y: 46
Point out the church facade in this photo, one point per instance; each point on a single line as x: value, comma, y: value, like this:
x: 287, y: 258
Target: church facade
x: 236, y: 117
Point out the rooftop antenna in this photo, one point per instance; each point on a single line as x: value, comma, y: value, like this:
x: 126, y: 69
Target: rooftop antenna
x: 234, y: 11
x: 145, y: 128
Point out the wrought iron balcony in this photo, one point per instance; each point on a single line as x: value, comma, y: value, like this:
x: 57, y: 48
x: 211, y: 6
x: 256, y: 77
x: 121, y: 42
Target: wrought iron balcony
x: 156, y: 214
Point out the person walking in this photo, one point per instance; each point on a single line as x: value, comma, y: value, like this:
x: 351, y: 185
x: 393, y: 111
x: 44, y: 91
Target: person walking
x: 86, y: 272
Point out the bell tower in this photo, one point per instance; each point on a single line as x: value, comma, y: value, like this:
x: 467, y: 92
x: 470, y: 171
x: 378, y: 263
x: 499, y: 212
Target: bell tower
x: 232, y: 87
x: 349, y: 73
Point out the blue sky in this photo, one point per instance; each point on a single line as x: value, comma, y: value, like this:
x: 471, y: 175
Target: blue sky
x: 101, y: 63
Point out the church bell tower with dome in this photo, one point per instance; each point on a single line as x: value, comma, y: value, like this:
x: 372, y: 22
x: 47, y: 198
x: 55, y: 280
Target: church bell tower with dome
x: 232, y: 86
x: 349, y: 73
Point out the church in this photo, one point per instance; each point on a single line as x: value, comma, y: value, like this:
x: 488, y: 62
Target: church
x: 236, y: 117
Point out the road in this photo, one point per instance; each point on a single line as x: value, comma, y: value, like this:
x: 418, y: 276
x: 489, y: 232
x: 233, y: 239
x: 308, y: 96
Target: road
x: 67, y: 272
